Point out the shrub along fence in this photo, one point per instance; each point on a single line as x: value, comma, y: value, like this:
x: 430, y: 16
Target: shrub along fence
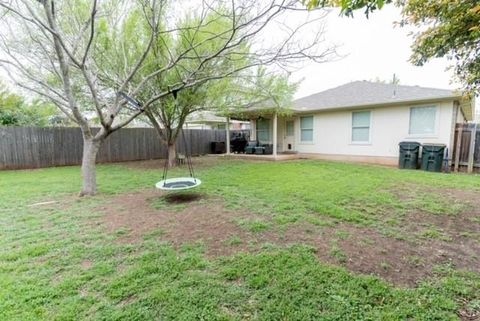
x: 31, y: 147
x: 466, y: 152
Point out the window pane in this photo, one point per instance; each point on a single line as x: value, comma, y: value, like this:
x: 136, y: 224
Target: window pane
x: 290, y: 128
x: 306, y: 135
x: 263, y: 136
x: 422, y: 120
x: 361, y: 119
x: 263, y: 124
x: 263, y: 130
x: 361, y: 134
x: 306, y: 122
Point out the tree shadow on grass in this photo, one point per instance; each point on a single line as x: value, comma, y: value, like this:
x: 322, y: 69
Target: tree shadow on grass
x: 182, y: 197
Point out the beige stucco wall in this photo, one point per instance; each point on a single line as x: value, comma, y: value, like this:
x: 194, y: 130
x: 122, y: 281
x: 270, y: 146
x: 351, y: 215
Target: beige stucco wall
x: 389, y: 126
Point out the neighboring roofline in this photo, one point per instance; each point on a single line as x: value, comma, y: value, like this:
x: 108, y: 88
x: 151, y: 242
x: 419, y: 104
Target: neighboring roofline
x: 232, y: 121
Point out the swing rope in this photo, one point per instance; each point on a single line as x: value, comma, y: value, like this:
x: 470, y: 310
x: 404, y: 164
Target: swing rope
x: 188, y: 157
x: 185, y: 146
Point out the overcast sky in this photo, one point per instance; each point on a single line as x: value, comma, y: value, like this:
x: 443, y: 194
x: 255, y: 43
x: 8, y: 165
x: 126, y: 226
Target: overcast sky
x: 374, y: 48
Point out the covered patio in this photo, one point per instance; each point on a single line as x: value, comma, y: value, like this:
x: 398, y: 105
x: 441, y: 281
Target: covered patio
x: 273, y: 129
x: 281, y: 156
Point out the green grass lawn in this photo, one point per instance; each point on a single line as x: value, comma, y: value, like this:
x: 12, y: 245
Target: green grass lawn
x: 57, y: 262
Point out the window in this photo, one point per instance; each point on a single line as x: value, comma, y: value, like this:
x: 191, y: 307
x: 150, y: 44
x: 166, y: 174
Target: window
x: 422, y: 120
x: 361, y: 127
x: 290, y: 128
x: 306, y: 129
x: 263, y: 130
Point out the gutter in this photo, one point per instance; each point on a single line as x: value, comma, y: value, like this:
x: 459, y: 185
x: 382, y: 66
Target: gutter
x: 377, y: 105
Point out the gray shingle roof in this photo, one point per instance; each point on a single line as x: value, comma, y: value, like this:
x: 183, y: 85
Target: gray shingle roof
x: 366, y: 93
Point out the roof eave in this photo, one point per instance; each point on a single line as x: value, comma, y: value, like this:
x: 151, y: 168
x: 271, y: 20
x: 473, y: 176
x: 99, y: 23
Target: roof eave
x: 377, y: 105
x: 468, y: 108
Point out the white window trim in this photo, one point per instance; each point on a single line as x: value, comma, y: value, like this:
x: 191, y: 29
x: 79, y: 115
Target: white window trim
x: 308, y: 142
x: 369, y: 142
x: 437, y: 122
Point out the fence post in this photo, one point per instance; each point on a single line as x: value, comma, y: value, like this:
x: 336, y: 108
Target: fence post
x: 458, y: 146
x: 471, y: 151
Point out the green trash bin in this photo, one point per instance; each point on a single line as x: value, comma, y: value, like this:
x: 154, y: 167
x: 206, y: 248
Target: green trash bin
x: 432, y: 157
x: 408, y: 158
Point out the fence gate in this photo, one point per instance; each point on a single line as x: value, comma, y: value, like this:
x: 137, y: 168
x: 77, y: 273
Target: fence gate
x: 466, y: 151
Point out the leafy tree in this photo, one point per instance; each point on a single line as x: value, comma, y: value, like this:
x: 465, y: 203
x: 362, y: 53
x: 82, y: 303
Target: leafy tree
x: 245, y: 86
x: 226, y: 96
x: 449, y: 29
x: 15, y: 111
x: 9, y: 103
x: 81, y: 54
x: 348, y: 6
x: 50, y: 48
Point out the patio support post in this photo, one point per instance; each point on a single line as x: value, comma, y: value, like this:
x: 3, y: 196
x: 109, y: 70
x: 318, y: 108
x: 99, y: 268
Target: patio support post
x: 275, y: 121
x: 227, y: 140
x: 253, y: 129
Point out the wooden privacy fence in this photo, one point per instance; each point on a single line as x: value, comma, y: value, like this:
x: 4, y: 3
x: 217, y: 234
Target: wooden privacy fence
x: 31, y: 147
x: 466, y: 151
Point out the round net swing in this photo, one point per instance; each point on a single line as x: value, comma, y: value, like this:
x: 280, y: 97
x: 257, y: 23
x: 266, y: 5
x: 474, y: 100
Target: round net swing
x: 179, y: 183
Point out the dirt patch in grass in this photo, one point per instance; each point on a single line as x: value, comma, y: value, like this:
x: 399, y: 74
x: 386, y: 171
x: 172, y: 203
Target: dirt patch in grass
x: 86, y: 264
x: 196, y: 218
x: 365, y: 250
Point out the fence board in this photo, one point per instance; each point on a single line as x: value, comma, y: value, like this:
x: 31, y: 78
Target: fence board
x: 467, y: 146
x: 31, y: 147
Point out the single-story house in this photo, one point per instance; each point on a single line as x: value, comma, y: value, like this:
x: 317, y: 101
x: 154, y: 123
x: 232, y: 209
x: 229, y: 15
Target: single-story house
x: 363, y: 121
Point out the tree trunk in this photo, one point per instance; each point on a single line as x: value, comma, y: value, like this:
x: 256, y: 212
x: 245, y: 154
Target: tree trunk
x: 89, y: 174
x: 172, y: 154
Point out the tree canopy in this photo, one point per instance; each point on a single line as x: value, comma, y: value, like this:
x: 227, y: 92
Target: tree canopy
x: 245, y: 83
x: 348, y: 6
x: 449, y: 29
x: 83, y: 55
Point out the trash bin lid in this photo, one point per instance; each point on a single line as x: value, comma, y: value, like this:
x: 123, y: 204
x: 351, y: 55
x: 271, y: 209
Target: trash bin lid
x: 409, y: 145
x: 433, y: 147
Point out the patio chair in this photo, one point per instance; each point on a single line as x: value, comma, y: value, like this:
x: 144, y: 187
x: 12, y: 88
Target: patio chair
x: 180, y: 159
x: 260, y: 150
x: 250, y: 148
x: 268, y: 149
x: 264, y: 149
